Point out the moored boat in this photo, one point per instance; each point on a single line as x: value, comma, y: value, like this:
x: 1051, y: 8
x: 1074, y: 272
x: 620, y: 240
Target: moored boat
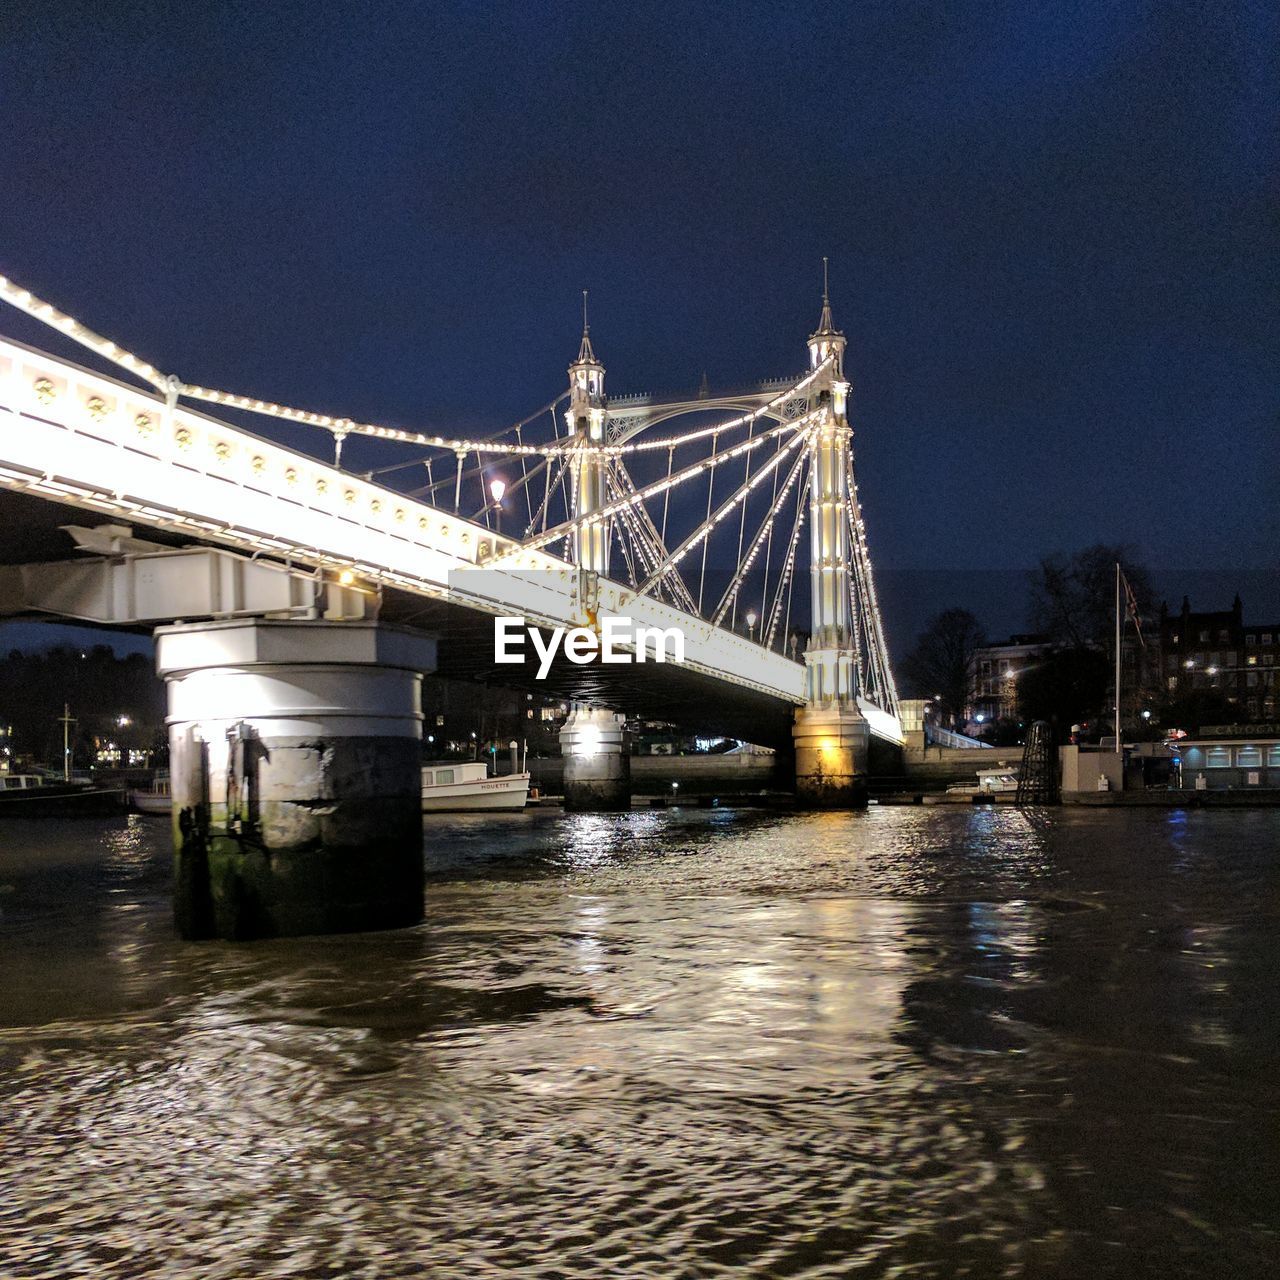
x: 1000, y: 780
x: 28, y: 795
x: 465, y: 786
x: 157, y: 799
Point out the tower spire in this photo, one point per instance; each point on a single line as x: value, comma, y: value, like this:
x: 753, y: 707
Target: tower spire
x: 826, y: 339
x: 584, y: 351
x: 825, y: 322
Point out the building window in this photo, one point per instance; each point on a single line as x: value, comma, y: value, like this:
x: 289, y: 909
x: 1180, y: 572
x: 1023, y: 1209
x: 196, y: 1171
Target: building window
x: 1173, y: 683
x: 1248, y: 757
x: 1224, y: 636
x: 1218, y: 758
x: 1266, y: 637
x: 1251, y: 638
x: 1204, y: 637
x: 1273, y: 756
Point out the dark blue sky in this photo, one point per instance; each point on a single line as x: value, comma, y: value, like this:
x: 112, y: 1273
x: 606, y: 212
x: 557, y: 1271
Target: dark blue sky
x: 1052, y: 230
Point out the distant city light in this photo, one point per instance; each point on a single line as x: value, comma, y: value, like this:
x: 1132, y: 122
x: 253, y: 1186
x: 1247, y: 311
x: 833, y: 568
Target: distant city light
x: 123, y: 721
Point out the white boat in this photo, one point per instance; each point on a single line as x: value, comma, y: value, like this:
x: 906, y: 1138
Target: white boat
x: 157, y: 799
x: 464, y: 786
x: 994, y: 781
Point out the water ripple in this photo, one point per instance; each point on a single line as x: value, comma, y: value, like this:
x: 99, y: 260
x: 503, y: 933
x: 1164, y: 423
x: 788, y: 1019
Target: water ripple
x: 902, y: 1043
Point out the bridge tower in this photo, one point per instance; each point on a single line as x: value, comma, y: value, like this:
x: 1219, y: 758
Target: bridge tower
x: 586, y: 428
x: 832, y: 737
x: 594, y: 743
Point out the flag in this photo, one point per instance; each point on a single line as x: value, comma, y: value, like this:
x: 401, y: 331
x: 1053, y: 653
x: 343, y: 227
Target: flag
x: 1131, y: 607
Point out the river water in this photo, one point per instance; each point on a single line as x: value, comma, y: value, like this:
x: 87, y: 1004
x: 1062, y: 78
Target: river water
x: 907, y: 1042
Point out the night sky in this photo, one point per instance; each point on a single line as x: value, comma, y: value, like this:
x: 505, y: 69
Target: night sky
x: 1052, y: 231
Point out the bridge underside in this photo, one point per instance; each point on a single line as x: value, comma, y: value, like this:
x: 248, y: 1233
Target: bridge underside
x: 654, y: 691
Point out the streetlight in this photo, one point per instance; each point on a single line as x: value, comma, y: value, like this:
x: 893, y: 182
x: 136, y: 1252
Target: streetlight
x: 751, y: 624
x: 675, y: 787
x: 497, y: 487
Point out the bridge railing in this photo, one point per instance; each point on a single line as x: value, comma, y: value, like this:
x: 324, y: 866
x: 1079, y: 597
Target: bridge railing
x: 941, y: 737
x: 77, y: 437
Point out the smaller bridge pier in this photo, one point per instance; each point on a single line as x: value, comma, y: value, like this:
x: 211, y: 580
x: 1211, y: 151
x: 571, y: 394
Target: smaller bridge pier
x: 296, y: 774
x: 597, y: 761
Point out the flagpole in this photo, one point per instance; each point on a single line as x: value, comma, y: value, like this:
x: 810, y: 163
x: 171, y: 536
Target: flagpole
x: 1119, y: 746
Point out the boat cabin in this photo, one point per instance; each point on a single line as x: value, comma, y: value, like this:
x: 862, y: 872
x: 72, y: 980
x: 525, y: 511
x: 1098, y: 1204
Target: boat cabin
x: 447, y: 775
x: 20, y: 781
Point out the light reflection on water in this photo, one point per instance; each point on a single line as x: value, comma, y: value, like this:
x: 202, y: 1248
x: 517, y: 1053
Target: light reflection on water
x: 916, y: 1042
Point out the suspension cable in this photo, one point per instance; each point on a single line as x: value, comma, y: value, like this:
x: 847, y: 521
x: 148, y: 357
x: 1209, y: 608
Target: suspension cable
x: 651, y: 490
x: 706, y: 539
x: 703, y: 531
x: 777, y: 502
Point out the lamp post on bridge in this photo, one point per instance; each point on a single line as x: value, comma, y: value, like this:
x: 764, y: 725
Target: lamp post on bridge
x: 497, y: 487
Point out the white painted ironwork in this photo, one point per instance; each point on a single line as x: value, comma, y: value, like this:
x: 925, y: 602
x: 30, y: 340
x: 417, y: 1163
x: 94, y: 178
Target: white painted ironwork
x: 587, y: 490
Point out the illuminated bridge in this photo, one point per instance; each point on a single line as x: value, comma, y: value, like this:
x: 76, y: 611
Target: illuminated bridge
x: 298, y: 602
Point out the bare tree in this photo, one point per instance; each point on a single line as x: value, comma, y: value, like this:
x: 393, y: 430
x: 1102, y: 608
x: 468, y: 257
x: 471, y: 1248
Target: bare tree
x: 941, y: 663
x: 1073, y: 598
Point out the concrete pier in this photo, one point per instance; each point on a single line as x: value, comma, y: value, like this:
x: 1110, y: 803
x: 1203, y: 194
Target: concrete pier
x: 596, y: 749
x: 295, y: 763
x: 832, y: 745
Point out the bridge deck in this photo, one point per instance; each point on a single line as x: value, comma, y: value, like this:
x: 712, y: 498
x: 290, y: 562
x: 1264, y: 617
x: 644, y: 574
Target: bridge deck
x: 77, y: 438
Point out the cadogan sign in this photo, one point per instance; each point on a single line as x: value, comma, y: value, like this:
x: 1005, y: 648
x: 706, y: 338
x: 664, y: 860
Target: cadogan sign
x: 618, y: 641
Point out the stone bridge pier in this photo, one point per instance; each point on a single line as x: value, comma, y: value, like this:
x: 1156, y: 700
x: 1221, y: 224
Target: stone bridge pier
x: 296, y: 774
x: 597, y: 761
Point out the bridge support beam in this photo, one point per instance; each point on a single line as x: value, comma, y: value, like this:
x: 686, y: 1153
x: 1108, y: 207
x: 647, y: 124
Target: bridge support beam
x: 296, y: 773
x: 596, y: 749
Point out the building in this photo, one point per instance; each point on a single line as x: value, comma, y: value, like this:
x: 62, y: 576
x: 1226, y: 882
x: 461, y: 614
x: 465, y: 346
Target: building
x: 1217, y: 650
x: 993, y: 681
x: 1235, y: 757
